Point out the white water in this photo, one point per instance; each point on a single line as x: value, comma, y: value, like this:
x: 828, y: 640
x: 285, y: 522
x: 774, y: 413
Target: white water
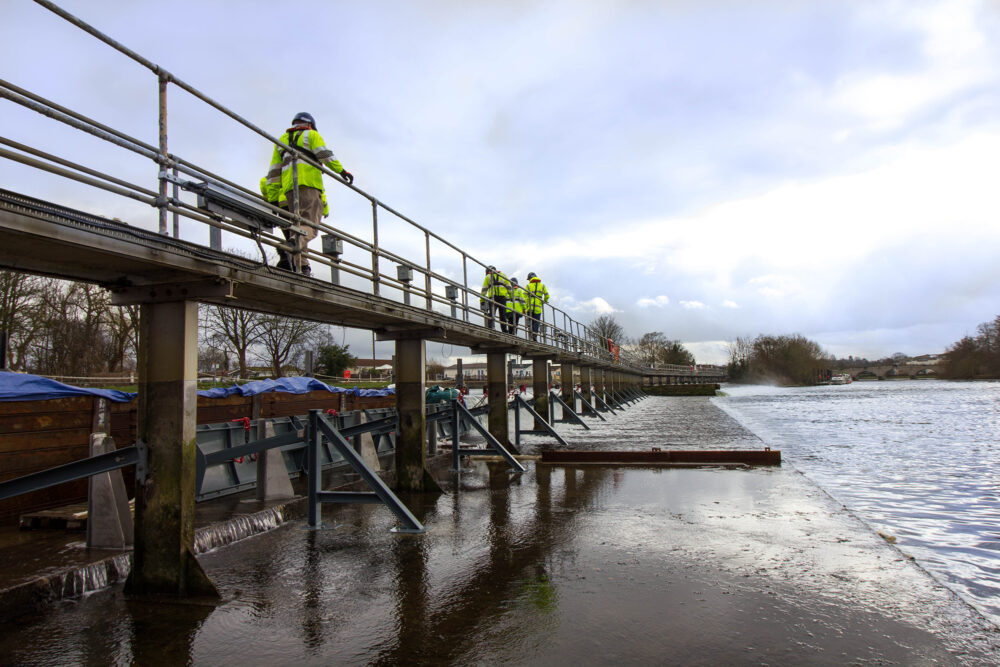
x: 916, y: 460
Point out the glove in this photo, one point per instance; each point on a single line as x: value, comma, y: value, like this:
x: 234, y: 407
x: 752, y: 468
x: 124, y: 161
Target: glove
x: 347, y: 176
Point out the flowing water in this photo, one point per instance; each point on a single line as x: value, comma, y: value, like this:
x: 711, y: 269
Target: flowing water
x: 918, y: 461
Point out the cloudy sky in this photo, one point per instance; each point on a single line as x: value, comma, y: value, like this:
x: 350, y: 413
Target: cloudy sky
x: 704, y: 169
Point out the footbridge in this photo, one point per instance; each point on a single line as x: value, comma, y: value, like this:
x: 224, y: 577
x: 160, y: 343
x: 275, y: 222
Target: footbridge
x: 387, y: 274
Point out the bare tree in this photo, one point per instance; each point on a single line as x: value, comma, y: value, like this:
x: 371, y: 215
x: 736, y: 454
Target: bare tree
x: 232, y: 330
x: 605, y: 327
x: 650, y: 347
x: 19, y: 294
x: 283, y: 339
x: 71, y: 315
x: 121, y: 324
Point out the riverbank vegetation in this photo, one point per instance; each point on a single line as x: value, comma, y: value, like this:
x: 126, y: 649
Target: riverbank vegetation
x: 650, y: 349
x: 766, y: 359
x: 975, y: 356
x: 72, y: 331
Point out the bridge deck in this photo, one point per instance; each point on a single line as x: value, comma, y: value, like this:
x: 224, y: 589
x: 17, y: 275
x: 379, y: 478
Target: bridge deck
x: 45, y: 238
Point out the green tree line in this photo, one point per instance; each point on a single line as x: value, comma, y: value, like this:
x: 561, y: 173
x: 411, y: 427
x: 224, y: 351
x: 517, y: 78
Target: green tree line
x: 786, y: 359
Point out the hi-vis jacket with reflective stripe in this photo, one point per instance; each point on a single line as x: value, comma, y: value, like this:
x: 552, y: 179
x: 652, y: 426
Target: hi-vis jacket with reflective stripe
x: 537, y: 295
x: 271, y: 194
x: 495, y: 284
x: 518, y: 300
x: 279, y: 176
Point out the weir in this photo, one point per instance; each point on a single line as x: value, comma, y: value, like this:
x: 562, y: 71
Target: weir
x: 168, y: 277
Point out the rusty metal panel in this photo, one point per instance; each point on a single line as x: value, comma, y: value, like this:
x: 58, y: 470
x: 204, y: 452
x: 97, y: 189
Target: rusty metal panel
x: 754, y: 457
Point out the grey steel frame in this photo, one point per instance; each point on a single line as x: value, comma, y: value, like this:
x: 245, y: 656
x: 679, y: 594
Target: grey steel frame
x: 567, y: 411
x: 546, y: 428
x: 461, y: 413
x: 587, y: 404
x: 94, y: 465
x: 380, y: 493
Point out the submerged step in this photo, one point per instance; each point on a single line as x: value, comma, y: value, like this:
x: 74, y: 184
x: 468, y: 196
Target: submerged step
x: 667, y: 457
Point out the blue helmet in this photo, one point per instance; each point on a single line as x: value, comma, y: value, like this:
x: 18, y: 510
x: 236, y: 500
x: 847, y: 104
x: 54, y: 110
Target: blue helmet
x: 304, y: 117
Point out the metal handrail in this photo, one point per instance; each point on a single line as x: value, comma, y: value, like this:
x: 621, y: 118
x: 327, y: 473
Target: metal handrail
x: 560, y: 329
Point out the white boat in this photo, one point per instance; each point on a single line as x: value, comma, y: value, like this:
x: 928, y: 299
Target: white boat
x: 841, y: 378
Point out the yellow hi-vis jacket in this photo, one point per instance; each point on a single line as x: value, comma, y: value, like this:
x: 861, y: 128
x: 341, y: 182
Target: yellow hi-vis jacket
x: 495, y: 285
x: 518, y: 300
x: 266, y: 191
x: 279, y: 175
x: 537, y: 295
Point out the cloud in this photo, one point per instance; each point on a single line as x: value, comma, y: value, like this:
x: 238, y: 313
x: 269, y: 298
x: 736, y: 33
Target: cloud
x: 693, y: 305
x: 657, y: 301
x: 595, y: 306
x: 730, y: 304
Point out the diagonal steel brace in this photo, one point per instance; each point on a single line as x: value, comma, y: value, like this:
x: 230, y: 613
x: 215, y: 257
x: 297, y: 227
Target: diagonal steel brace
x: 461, y: 412
x: 318, y: 427
x: 568, y: 410
x: 519, y: 401
x: 588, y: 405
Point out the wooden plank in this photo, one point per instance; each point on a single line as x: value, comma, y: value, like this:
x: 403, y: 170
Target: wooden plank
x: 664, y: 457
x: 76, y: 403
x: 23, y: 442
x: 41, y: 421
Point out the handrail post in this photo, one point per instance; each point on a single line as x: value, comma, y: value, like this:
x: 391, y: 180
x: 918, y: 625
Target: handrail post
x: 162, y: 166
x: 427, y: 274
x: 375, y: 275
x: 465, y: 292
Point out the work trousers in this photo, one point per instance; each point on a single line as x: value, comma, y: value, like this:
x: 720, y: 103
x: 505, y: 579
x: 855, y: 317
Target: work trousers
x: 536, y: 323
x: 513, y: 318
x: 499, y: 303
x: 310, y: 208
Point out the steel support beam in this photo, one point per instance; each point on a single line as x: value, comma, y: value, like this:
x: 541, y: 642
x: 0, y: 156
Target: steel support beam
x: 164, y: 564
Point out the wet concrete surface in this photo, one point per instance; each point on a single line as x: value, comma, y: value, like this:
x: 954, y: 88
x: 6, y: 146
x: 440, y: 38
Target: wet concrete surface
x: 555, y: 566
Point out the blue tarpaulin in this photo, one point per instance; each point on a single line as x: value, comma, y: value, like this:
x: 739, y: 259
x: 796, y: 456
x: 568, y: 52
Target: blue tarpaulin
x: 22, y: 387
x: 291, y: 385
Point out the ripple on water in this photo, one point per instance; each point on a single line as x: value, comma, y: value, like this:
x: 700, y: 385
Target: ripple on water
x: 915, y: 459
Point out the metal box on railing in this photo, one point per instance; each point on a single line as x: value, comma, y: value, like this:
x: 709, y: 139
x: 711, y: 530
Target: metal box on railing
x: 333, y: 246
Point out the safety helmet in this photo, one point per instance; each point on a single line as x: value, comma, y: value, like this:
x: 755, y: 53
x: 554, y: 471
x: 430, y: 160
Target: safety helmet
x: 304, y: 117
x: 531, y: 275
x: 490, y: 269
x: 514, y: 280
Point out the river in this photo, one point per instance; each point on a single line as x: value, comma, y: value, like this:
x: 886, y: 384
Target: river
x: 918, y: 461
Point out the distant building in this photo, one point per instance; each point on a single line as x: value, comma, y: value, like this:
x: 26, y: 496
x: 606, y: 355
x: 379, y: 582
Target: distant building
x: 371, y: 367
x: 477, y: 371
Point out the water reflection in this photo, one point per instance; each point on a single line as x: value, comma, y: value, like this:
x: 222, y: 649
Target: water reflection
x: 459, y: 621
x: 161, y: 633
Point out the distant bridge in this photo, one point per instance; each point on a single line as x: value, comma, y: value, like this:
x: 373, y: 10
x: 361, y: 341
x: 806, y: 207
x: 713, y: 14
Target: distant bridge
x: 893, y: 371
x: 427, y: 294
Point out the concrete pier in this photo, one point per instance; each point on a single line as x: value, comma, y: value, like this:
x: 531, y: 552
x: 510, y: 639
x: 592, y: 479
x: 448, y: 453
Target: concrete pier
x: 411, y: 438
x: 567, y: 385
x: 585, y: 383
x: 540, y: 387
x: 496, y: 391
x: 164, y: 562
